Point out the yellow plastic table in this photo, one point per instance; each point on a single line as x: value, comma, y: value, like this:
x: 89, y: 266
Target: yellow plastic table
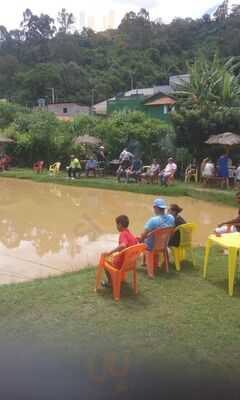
x: 230, y: 241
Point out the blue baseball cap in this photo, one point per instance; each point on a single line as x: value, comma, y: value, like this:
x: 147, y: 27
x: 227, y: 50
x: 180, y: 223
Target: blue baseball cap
x: 159, y: 203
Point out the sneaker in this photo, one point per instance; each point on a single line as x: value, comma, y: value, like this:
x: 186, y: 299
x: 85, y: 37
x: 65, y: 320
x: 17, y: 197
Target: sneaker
x: 105, y: 284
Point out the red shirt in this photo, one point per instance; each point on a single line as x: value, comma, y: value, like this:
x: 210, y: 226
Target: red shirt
x: 127, y: 239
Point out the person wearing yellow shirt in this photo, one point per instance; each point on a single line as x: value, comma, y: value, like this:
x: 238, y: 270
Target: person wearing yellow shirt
x: 74, y: 167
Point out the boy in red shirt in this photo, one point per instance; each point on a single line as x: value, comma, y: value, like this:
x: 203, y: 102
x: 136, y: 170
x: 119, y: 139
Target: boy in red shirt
x: 126, y: 239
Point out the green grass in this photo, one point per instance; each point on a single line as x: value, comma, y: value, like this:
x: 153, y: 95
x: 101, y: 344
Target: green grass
x: 179, y: 188
x: 175, y: 318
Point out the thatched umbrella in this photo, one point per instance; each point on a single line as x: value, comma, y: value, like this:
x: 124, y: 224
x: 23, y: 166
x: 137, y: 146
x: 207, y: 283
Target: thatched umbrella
x: 225, y: 139
x: 87, y: 140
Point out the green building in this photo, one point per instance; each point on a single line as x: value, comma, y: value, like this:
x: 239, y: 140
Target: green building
x: 156, y: 106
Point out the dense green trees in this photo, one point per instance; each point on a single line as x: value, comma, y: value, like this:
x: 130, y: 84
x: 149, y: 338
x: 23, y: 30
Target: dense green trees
x: 41, y: 55
x: 40, y: 135
x: 209, y: 103
x: 141, y: 51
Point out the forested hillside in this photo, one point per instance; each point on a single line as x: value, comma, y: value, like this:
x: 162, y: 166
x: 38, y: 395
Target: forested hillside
x: 39, y: 55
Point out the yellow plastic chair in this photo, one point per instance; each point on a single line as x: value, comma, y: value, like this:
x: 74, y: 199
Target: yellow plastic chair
x: 193, y: 173
x: 185, y: 244
x: 55, y: 168
x: 230, y: 241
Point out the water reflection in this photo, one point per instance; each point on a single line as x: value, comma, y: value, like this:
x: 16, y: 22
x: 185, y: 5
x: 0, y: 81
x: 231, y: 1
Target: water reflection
x: 46, y: 229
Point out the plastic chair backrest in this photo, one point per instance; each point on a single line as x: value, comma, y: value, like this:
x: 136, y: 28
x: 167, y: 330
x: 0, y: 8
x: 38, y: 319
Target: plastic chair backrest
x: 38, y: 164
x: 55, y: 167
x: 130, y: 256
x: 146, y: 168
x: 186, y: 232
x: 161, y: 238
x: 5, y: 161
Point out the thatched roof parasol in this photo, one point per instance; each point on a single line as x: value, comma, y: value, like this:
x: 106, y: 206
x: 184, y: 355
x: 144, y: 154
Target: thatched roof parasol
x: 5, y: 140
x: 88, y: 140
x: 225, y: 139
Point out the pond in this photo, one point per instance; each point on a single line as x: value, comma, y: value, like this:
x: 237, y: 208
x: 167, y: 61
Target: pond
x: 48, y: 229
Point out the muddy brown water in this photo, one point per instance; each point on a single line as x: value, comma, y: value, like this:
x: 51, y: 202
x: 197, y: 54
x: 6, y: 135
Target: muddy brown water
x: 48, y: 229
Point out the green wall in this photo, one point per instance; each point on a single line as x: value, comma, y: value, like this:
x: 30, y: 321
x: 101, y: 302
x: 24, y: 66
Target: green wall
x: 136, y: 103
x: 130, y: 103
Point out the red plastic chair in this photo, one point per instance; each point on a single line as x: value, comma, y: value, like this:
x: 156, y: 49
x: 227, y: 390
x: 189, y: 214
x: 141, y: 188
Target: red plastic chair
x: 2, y: 164
x: 161, y: 238
x: 5, y: 162
x: 38, y: 166
x: 118, y: 275
x: 170, y: 179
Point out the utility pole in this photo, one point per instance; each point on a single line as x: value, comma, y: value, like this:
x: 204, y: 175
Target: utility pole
x: 92, y: 100
x: 131, y: 77
x: 53, y: 95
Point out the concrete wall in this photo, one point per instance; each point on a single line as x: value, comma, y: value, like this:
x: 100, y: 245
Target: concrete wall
x: 71, y: 108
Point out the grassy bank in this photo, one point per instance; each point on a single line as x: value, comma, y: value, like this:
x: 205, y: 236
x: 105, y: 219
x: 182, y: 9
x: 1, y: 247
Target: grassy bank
x: 110, y: 183
x: 176, y: 318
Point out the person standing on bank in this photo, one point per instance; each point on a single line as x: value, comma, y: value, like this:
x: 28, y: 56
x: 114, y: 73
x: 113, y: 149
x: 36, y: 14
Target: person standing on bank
x: 223, y: 168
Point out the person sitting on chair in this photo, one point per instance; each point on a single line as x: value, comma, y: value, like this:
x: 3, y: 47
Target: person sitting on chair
x: 175, y: 210
x: 208, y: 169
x: 191, y: 170
x: 91, y: 165
x: 237, y: 176
x: 232, y: 225
x: 135, y: 170
x: 152, y: 172
x: 121, y: 172
x: 125, y: 240
x: 168, y: 172
x: 125, y: 158
x: 160, y: 220
x: 74, y: 167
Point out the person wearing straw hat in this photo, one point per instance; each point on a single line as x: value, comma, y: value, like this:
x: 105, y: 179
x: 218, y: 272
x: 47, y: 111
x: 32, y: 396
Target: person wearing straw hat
x: 101, y: 157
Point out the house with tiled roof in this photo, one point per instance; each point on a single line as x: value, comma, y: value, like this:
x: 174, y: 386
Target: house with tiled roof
x: 156, y: 101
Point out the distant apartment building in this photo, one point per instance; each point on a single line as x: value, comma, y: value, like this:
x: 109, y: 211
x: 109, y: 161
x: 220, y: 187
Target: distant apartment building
x: 105, y: 22
x: 82, y: 20
x: 111, y: 20
x: 92, y: 22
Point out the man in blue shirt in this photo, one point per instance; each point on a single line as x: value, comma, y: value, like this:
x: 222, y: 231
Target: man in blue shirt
x: 160, y: 220
x: 91, y: 165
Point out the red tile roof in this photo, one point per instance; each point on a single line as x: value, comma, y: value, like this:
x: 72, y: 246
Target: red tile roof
x: 161, y: 101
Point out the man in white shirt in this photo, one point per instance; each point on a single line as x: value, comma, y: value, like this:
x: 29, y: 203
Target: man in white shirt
x: 237, y: 175
x: 168, y: 172
x: 125, y: 158
x: 209, y: 169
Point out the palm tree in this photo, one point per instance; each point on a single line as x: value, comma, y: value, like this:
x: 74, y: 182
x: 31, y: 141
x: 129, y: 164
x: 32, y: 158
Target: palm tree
x: 212, y: 83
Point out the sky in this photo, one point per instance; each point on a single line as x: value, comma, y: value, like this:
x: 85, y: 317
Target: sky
x: 100, y: 14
